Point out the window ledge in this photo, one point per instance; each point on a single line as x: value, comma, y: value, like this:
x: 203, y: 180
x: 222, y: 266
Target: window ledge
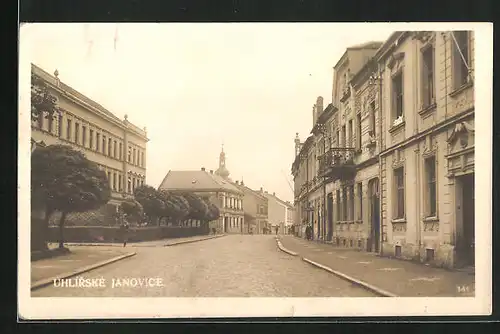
x: 431, y: 219
x: 394, y: 128
x: 460, y: 89
x: 427, y: 110
x: 399, y: 221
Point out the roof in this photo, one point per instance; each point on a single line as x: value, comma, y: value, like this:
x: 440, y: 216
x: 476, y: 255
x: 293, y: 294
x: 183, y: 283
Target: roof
x: 196, y: 180
x: 289, y: 205
x: 367, y: 45
x: 65, y: 88
x: 251, y: 191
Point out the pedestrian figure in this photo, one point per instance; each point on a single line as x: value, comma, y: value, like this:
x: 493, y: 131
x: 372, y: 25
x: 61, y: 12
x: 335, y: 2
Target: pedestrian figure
x: 125, y: 228
x: 213, y: 230
x: 276, y: 228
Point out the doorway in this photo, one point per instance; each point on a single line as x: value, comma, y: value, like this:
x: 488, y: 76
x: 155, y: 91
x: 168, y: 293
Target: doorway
x: 374, y: 244
x: 330, y: 216
x: 466, y: 242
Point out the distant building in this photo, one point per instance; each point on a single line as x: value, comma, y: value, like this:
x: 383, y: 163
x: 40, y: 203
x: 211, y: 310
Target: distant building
x: 116, y: 145
x: 255, y: 207
x: 217, y: 187
x: 278, y: 212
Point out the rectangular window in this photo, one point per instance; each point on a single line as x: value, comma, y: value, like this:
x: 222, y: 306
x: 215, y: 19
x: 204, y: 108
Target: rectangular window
x: 430, y: 174
x: 103, y: 144
x: 142, y: 159
x: 344, y: 204
x: 121, y: 151
x: 372, y: 119
x: 428, y: 97
x: 120, y: 186
x: 68, y: 129
x: 360, y: 201
x: 138, y: 157
x: 60, y: 126
x: 338, y: 138
x: 97, y: 142
x: 351, y: 202
x: 51, y: 123
x: 461, y: 58
x: 129, y: 185
x: 129, y: 157
x: 135, y: 157
x: 84, y: 135
x: 91, y: 139
x: 114, y: 149
x: 109, y: 178
x: 344, y: 136
x: 397, y: 93
x: 399, y: 185
x: 358, y: 132
x: 114, y: 180
x: 110, y: 149
x: 351, y: 134
x: 77, y: 133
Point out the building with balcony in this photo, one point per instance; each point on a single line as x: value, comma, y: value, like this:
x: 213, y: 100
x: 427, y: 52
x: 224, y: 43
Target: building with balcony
x: 395, y: 151
x: 116, y: 145
x: 255, y: 208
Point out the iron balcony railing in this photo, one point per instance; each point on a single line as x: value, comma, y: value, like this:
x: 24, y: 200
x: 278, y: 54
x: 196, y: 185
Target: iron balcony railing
x: 337, y: 162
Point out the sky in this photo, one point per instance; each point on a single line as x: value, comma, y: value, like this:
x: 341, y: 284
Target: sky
x: 197, y: 86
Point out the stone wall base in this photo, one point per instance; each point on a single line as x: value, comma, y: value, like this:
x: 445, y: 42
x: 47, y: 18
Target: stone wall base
x: 442, y: 256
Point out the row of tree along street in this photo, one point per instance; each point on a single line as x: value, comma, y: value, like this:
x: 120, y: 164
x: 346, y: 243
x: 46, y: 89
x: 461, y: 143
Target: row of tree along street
x: 63, y: 180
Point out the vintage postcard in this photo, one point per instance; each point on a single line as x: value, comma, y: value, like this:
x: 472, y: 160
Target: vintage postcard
x: 254, y: 170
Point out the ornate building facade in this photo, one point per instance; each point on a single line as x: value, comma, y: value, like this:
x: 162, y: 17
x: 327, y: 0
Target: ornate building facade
x: 396, y: 174
x: 116, y: 145
x: 217, y: 187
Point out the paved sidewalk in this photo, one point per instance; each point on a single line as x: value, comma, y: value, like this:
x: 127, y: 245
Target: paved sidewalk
x: 154, y: 243
x: 402, y: 278
x: 78, y: 258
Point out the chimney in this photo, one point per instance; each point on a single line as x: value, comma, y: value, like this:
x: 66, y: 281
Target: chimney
x: 242, y: 183
x: 211, y: 171
x: 314, y: 115
x: 237, y: 182
x: 265, y: 192
x: 261, y: 190
x: 274, y: 194
x: 319, y: 105
x: 203, y: 168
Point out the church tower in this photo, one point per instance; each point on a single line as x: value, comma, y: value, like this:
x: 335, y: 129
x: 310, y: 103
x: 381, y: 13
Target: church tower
x: 222, y: 170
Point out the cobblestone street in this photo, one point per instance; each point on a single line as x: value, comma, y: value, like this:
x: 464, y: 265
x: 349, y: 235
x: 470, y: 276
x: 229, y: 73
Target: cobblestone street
x: 231, y: 266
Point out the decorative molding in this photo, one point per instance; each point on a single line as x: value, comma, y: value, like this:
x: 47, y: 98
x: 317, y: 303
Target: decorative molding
x: 462, y: 132
x: 425, y: 36
x: 395, y: 59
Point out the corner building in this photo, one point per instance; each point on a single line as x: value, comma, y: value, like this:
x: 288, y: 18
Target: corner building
x: 116, y: 145
x: 389, y: 167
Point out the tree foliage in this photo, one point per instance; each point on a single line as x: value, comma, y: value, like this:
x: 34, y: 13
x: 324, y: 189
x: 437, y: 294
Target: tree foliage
x: 42, y: 100
x: 64, y: 180
x: 151, y: 201
x: 132, y: 208
x: 198, y: 208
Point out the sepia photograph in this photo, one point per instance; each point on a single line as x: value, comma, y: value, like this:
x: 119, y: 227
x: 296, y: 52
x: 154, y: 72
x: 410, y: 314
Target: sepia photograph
x: 248, y: 170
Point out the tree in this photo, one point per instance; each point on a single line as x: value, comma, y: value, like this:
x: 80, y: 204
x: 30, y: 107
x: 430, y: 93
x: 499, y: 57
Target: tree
x: 151, y: 201
x: 176, y: 206
x: 64, y: 180
x: 132, y: 209
x: 42, y: 100
x: 198, y: 208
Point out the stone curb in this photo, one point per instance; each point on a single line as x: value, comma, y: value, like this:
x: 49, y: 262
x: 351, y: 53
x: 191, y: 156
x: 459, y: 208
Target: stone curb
x: 191, y: 241
x: 120, y: 244
x: 47, y: 281
x: 374, y: 289
x: 283, y: 249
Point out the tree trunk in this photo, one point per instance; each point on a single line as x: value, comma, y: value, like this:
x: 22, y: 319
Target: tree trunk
x: 61, y: 229
x: 45, y: 227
